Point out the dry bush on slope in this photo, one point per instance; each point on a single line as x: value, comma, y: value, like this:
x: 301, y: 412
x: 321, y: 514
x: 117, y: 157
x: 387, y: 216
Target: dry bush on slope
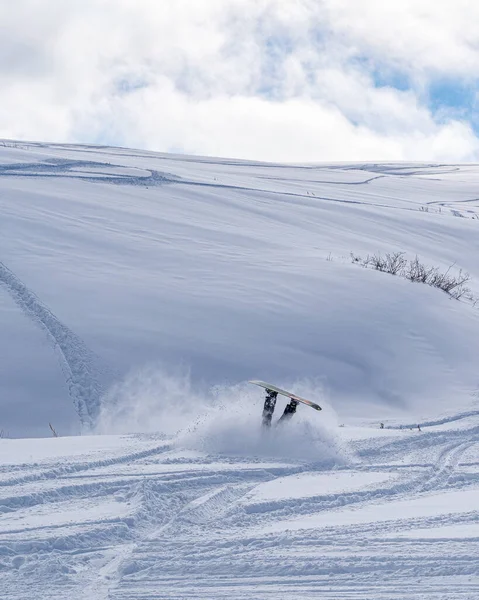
x: 454, y: 284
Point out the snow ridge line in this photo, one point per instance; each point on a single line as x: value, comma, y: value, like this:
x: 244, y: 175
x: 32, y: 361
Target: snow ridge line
x: 77, y: 360
x: 326, y: 502
x: 55, y: 473
x: 53, y: 167
x: 201, y: 510
x: 434, y: 422
x: 422, y: 441
x: 107, y: 487
x: 446, y: 464
x: 437, y: 478
x: 104, y: 489
x: 111, y: 532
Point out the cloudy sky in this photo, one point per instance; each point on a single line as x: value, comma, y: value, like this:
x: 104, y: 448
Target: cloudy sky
x: 290, y: 80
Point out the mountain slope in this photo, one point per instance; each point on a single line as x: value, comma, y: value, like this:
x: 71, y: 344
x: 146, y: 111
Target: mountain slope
x: 233, y: 270
x: 138, y: 293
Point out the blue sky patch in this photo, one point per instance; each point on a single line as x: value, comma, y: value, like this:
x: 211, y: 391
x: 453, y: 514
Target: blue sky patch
x: 456, y: 99
x: 445, y: 98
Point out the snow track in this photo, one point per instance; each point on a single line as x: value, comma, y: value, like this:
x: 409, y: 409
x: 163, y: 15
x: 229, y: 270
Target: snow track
x: 159, y: 522
x: 79, y: 364
x: 96, y: 172
x: 170, y: 258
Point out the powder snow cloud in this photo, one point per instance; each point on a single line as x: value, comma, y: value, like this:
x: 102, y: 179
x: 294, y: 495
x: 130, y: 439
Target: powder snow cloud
x: 268, y: 79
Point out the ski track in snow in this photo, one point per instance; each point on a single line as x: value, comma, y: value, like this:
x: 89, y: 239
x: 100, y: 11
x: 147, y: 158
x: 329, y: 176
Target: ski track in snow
x: 141, y: 518
x: 92, y: 171
x: 79, y: 364
x: 188, y: 525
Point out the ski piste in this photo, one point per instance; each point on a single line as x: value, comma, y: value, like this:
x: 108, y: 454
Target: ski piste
x: 273, y: 388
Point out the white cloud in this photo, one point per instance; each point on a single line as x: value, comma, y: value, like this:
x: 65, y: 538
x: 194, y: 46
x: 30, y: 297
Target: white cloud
x: 267, y: 79
x: 420, y: 35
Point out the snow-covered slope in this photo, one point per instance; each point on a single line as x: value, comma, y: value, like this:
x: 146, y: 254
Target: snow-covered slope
x: 232, y: 270
x: 139, y: 292
x: 371, y: 514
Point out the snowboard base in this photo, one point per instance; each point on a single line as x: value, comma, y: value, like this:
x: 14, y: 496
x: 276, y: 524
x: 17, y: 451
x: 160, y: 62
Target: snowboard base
x: 273, y: 388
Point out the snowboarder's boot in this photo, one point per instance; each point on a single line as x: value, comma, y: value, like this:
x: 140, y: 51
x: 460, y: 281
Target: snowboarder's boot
x: 268, y: 410
x: 289, y: 411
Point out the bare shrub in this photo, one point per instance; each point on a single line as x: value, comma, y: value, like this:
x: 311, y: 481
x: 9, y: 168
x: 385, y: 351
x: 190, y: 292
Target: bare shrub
x: 419, y: 273
x: 395, y: 263
x: 454, y: 284
x: 390, y: 263
x: 376, y: 262
x: 355, y: 259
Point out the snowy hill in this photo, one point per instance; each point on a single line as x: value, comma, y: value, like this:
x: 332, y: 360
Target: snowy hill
x: 222, y: 267
x: 140, y: 291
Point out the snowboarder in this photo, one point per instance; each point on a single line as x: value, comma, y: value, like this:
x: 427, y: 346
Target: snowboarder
x: 289, y: 411
x: 270, y: 402
x: 269, y: 406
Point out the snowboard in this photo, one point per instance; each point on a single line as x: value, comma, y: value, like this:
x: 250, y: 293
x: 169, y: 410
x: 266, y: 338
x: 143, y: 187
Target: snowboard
x: 273, y: 388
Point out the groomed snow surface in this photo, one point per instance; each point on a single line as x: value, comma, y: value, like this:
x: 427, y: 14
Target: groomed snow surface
x: 139, y: 292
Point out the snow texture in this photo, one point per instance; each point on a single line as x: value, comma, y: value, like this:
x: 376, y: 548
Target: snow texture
x: 139, y: 292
